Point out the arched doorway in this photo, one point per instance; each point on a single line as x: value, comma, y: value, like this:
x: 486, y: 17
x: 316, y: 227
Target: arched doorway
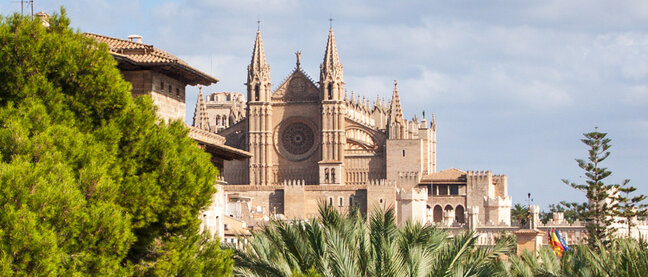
x: 438, y: 213
x: 460, y: 214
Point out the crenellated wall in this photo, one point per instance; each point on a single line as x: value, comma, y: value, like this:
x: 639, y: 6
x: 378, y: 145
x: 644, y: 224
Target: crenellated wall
x: 498, y: 210
x: 412, y: 205
x: 381, y: 193
x: 294, y: 199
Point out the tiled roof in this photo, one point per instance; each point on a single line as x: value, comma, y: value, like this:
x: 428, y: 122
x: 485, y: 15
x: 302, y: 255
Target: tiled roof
x: 146, y: 55
x: 450, y: 174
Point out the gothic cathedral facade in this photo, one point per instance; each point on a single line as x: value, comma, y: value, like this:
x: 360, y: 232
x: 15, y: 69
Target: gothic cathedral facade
x: 313, y: 144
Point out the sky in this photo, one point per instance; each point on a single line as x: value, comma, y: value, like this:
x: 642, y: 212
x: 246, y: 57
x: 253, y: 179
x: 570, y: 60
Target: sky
x: 512, y: 84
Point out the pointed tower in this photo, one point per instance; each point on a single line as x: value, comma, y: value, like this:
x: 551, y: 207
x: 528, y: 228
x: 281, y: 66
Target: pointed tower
x: 259, y: 114
x: 395, y: 121
x: 200, y: 119
x: 333, y: 110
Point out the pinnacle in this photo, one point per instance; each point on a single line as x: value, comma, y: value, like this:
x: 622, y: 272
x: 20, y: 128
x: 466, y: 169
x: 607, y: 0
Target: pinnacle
x: 331, y: 58
x: 395, y: 110
x: 258, y: 62
x: 200, y: 114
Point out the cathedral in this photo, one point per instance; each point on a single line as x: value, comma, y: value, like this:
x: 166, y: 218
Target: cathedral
x: 311, y: 143
x: 283, y: 152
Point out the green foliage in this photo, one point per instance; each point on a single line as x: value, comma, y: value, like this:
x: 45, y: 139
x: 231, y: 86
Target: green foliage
x: 520, y: 214
x: 346, y: 245
x: 572, y: 210
x: 629, y: 207
x: 91, y: 182
x: 622, y: 257
x: 601, y: 209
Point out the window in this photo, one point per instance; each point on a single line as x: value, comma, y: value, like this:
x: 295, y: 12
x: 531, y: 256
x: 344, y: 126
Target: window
x: 330, y: 91
x: 161, y: 86
x: 403, y: 152
x: 170, y: 90
x: 333, y: 175
x: 326, y: 175
x: 350, y: 201
x: 177, y: 91
x: 381, y: 200
x: 340, y: 202
x: 454, y: 190
x: 331, y: 201
x: 443, y: 190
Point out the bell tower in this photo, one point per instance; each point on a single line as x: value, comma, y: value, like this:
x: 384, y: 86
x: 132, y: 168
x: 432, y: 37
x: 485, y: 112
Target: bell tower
x: 259, y: 114
x: 333, y: 110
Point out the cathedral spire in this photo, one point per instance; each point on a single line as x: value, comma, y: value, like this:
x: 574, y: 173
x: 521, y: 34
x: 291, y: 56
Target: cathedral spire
x: 258, y: 64
x: 331, y: 62
x: 258, y: 80
x: 200, y: 120
x: 395, y: 110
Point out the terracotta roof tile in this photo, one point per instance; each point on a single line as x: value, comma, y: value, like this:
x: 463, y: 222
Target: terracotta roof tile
x: 450, y: 174
x: 147, y: 55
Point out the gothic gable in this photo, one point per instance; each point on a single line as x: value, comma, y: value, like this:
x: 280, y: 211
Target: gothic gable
x: 298, y: 87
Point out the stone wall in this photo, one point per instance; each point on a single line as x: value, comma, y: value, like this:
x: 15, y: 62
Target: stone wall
x: 381, y: 194
x: 141, y: 81
x: 404, y: 161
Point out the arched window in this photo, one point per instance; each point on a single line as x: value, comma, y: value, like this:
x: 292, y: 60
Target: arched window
x: 332, y: 175
x: 437, y: 213
x: 460, y: 214
x: 257, y: 92
x: 330, y: 91
x: 331, y: 201
x: 326, y: 175
x: 224, y: 119
x: 341, y: 202
x: 218, y: 120
x: 448, y: 208
x: 351, y: 201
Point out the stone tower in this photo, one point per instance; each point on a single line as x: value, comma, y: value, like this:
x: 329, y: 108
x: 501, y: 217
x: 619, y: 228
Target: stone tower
x: 333, y: 111
x: 259, y: 114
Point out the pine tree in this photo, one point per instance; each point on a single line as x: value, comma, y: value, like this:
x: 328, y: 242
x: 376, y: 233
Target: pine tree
x: 629, y: 207
x: 602, y: 208
x: 91, y: 181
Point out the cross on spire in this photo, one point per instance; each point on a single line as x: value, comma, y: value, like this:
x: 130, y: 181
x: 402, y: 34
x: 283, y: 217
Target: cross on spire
x: 331, y: 22
x: 258, y: 24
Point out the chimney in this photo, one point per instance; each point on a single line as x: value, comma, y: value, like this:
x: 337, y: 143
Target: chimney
x: 44, y: 18
x: 135, y: 38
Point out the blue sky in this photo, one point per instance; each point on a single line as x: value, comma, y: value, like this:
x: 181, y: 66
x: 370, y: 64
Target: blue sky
x: 512, y: 84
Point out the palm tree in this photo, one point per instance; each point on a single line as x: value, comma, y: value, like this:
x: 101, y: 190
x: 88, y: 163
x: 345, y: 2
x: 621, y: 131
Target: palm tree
x: 519, y: 214
x: 338, y: 244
